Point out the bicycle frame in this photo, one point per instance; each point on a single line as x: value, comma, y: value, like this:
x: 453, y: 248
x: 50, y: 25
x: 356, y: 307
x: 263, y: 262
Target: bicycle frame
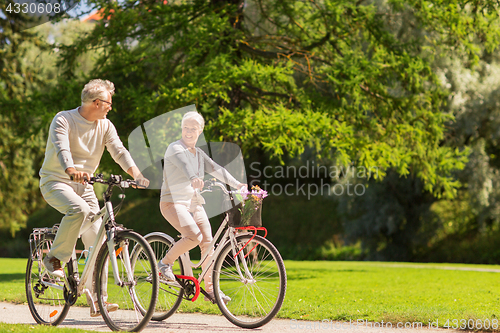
x: 228, y: 236
x: 190, y: 265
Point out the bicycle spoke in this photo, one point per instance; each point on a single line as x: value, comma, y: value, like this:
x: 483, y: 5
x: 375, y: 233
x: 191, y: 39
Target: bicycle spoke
x: 169, y: 297
x: 254, y: 300
x: 46, y: 302
x: 137, y: 296
x: 267, y: 299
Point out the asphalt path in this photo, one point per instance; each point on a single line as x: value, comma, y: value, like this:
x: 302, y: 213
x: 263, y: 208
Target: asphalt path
x: 78, y: 317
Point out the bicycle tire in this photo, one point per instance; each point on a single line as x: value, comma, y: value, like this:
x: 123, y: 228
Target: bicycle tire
x: 130, y: 297
x: 169, y: 295
x: 253, y: 302
x: 47, y: 304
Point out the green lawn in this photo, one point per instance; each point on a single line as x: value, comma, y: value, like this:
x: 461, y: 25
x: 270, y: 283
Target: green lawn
x: 19, y: 328
x: 343, y: 291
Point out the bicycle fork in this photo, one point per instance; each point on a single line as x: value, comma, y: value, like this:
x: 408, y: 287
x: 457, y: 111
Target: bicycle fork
x: 247, y: 277
x: 123, y: 250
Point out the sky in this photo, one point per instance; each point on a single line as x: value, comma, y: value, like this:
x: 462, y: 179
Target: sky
x: 82, y: 7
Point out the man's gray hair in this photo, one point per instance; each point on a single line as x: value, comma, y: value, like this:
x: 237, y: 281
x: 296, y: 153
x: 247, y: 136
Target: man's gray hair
x: 97, y: 89
x: 196, y: 116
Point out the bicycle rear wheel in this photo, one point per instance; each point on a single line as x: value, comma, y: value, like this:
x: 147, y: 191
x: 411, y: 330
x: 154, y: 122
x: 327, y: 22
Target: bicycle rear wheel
x: 170, y: 293
x: 45, y: 293
x: 255, y: 297
x: 136, y: 297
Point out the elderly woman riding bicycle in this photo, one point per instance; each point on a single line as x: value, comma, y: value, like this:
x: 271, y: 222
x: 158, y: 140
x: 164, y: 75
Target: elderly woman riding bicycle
x: 181, y: 203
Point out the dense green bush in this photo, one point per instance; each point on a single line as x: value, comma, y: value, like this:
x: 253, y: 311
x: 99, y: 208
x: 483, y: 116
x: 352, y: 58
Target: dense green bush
x: 300, y: 228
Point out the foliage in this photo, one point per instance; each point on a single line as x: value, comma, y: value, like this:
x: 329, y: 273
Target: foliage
x: 29, y: 97
x: 19, y: 144
x: 374, y: 83
x: 392, y: 219
x: 476, y: 92
x: 398, y: 210
x: 470, y: 223
x: 305, y: 230
x: 353, y: 79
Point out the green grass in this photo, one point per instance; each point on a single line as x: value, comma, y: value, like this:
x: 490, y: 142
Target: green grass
x: 21, y: 328
x: 12, y: 276
x: 389, y: 291
x: 343, y: 291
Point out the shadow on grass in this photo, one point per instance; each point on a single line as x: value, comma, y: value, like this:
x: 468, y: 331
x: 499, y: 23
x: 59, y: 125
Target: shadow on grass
x: 11, y: 277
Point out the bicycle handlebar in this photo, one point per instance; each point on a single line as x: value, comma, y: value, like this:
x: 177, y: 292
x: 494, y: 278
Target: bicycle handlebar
x: 114, y: 180
x: 211, y: 182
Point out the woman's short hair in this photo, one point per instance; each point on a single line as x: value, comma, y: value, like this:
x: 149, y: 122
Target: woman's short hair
x: 97, y: 89
x: 195, y: 116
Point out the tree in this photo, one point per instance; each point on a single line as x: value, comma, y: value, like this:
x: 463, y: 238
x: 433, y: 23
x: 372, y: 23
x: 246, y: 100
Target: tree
x: 388, y: 227
x: 19, y: 145
x: 349, y: 78
x: 474, y: 102
x: 381, y: 218
x: 392, y: 219
x: 28, y: 100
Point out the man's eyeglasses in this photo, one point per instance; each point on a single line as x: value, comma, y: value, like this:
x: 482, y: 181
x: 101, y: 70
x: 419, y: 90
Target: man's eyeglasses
x: 110, y: 104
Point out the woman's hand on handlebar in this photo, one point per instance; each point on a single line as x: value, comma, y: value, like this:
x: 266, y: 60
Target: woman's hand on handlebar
x: 242, y: 187
x: 197, y: 183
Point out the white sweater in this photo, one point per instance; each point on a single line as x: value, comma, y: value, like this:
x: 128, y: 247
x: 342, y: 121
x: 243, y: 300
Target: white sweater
x: 181, y: 166
x: 76, y: 142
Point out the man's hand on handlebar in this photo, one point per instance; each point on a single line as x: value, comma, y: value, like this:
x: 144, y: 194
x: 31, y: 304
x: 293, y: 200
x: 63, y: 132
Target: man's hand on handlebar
x: 141, y: 182
x: 77, y: 176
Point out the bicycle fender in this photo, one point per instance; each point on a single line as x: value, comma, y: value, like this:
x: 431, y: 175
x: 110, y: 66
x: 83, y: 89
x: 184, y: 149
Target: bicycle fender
x: 162, y: 234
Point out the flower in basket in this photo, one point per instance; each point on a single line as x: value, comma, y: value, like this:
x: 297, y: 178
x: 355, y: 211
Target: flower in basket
x: 250, y: 202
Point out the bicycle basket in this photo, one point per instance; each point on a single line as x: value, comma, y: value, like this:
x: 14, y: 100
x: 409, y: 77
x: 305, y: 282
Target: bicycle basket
x: 236, y: 220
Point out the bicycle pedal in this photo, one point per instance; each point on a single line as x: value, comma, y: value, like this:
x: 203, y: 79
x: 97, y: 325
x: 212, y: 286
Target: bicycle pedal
x: 208, y: 297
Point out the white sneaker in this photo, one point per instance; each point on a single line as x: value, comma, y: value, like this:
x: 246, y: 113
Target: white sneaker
x: 53, y: 266
x: 110, y: 307
x: 166, y: 271
x: 226, y: 299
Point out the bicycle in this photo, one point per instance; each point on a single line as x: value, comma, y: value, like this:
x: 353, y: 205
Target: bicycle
x: 133, y: 284
x: 256, y: 286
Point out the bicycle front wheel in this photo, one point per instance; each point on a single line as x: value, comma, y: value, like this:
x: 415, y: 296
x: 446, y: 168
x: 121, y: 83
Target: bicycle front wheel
x: 255, y: 280
x: 137, y: 293
x: 170, y: 293
x: 45, y: 293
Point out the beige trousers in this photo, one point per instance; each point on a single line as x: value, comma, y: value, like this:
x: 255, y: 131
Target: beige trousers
x: 193, y: 224
x: 77, y: 202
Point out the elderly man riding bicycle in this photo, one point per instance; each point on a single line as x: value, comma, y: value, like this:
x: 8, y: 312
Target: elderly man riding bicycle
x: 76, y: 142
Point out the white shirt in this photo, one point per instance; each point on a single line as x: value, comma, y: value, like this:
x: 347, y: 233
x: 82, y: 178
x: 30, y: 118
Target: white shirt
x: 76, y: 142
x: 181, y: 166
